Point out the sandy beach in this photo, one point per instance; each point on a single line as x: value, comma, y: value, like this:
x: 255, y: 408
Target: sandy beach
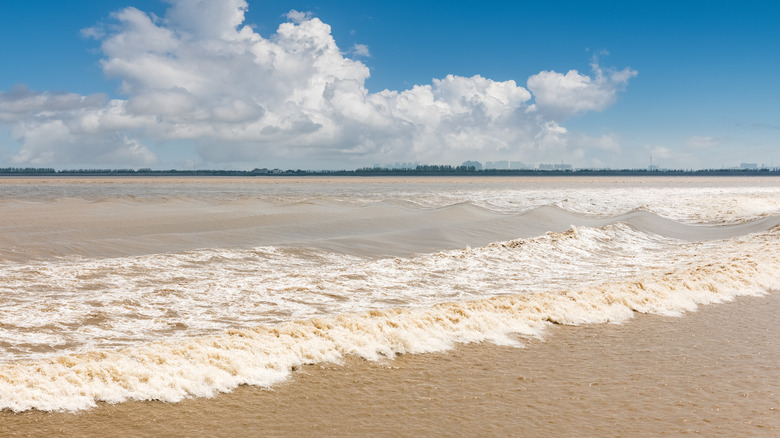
x: 714, y: 372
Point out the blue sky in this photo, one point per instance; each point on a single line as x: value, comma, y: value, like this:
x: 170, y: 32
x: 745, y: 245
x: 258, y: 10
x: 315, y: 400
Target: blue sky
x: 694, y: 84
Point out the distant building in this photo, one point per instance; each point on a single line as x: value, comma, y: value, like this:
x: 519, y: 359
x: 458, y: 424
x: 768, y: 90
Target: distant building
x: 748, y: 166
x: 400, y: 165
x: 497, y: 164
x: 561, y: 166
x: 518, y: 165
x: 475, y: 164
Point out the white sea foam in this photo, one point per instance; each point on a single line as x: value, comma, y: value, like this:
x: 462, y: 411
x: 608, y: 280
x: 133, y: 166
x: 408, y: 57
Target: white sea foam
x: 582, y: 276
x: 76, y: 304
x: 684, y: 203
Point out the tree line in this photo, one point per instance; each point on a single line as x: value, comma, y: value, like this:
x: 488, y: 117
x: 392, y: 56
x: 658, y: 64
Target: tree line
x: 421, y: 170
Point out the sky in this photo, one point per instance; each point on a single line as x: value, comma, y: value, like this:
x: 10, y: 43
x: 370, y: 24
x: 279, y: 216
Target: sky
x: 240, y: 84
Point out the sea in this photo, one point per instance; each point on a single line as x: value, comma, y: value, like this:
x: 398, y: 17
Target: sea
x: 116, y: 290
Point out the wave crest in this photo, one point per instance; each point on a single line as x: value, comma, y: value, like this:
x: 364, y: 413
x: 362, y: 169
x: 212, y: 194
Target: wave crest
x: 202, y: 366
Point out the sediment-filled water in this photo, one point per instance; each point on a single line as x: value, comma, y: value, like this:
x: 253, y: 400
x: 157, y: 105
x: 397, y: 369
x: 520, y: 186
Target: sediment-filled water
x: 130, y: 289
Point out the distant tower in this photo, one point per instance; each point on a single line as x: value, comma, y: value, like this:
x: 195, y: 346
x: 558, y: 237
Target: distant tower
x: 652, y: 167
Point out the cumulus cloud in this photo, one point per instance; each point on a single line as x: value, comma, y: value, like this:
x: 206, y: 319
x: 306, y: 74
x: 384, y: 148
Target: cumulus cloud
x: 69, y: 128
x: 200, y: 74
x: 206, y: 19
x: 298, y: 16
x: 54, y: 141
x: 562, y: 95
x: 21, y: 103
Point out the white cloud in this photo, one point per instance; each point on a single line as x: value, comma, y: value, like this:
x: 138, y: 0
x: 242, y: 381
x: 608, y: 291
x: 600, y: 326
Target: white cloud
x: 20, y: 103
x: 298, y: 16
x: 361, y: 50
x: 562, y: 95
x: 55, y: 142
x: 702, y: 142
x: 207, y: 19
x: 199, y: 74
x: 95, y: 32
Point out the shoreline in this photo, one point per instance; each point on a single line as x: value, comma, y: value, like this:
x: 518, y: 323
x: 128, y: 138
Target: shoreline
x: 383, y: 179
x: 420, y: 171
x: 714, y: 371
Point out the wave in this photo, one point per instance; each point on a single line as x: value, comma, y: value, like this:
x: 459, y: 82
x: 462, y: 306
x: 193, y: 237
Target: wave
x: 636, y: 272
x: 72, y: 304
x: 360, y: 224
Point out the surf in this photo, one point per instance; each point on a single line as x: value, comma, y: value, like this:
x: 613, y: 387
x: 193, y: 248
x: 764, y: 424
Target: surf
x: 495, y: 293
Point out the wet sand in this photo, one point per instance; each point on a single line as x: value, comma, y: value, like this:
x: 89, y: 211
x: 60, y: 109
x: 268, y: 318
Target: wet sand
x: 715, y: 372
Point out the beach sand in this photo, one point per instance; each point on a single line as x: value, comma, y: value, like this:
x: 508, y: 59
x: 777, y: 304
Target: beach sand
x: 714, y: 372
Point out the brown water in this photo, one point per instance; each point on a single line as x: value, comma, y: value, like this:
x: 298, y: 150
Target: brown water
x: 203, y: 293
x: 715, y: 372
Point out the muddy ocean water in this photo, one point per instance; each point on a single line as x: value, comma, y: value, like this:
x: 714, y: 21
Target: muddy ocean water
x: 172, y: 289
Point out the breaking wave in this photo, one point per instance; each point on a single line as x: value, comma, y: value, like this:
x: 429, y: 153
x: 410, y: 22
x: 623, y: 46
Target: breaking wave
x: 195, y: 323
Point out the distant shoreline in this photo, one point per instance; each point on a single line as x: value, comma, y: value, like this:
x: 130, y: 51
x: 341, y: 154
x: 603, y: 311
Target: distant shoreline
x: 427, y: 171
